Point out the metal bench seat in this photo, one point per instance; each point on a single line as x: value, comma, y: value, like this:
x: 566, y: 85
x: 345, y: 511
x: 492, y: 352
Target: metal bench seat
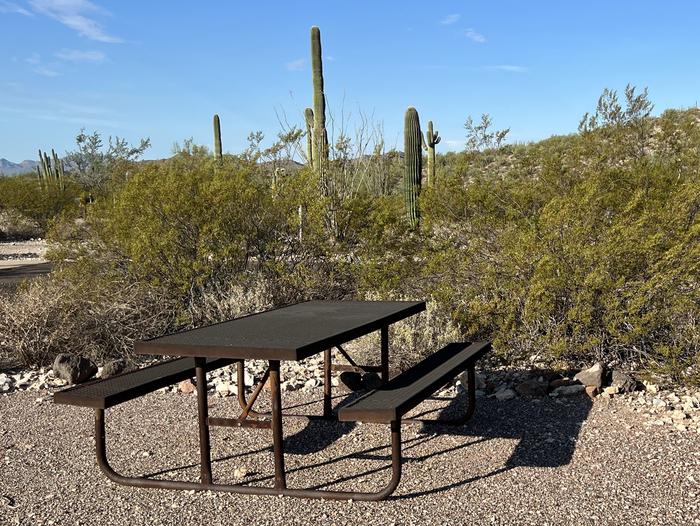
x: 390, y: 402
x: 109, y: 392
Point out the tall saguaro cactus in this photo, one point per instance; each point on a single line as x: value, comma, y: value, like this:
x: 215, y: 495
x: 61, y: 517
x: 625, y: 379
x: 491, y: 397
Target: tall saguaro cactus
x: 431, y: 140
x: 320, y: 136
x: 217, y: 138
x: 309, y: 117
x: 413, y: 164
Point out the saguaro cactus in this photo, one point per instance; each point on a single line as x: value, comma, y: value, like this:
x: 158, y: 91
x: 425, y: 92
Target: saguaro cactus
x: 320, y: 136
x: 217, y: 138
x: 413, y: 164
x: 309, y: 117
x: 51, y: 173
x: 431, y: 140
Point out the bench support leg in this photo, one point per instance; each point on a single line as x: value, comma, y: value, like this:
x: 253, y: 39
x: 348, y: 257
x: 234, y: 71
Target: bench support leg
x: 203, y: 420
x: 327, y: 388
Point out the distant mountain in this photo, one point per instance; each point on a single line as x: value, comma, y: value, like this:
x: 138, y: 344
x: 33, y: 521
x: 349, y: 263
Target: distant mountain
x: 10, y: 168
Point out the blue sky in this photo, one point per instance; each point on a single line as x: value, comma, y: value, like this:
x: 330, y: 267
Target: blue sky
x: 162, y: 69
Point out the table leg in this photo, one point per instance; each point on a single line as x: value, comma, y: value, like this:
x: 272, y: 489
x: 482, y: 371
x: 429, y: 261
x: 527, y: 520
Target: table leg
x: 203, y: 418
x: 277, y: 435
x: 385, y: 354
x: 327, y: 403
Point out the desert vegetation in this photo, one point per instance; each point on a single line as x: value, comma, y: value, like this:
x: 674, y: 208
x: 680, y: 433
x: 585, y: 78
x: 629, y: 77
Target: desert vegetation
x: 573, y: 249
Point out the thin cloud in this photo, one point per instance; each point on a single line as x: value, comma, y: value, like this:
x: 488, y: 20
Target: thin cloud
x: 450, y: 19
x: 475, y: 36
x: 39, y: 67
x: 296, y: 65
x: 76, y: 15
x: 45, y: 71
x: 508, y: 68
x: 12, y: 8
x: 78, y: 55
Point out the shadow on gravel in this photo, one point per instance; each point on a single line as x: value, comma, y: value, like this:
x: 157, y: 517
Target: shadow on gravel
x: 546, y: 430
x: 317, y: 435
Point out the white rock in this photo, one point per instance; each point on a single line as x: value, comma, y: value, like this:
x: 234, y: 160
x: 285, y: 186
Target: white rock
x: 248, y: 378
x: 311, y: 383
x: 611, y: 390
x: 678, y: 415
x: 224, y: 388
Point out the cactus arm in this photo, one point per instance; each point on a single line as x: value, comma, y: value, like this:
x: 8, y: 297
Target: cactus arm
x: 309, y: 117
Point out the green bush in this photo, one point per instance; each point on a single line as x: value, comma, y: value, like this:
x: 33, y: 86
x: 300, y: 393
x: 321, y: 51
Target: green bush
x: 24, y: 196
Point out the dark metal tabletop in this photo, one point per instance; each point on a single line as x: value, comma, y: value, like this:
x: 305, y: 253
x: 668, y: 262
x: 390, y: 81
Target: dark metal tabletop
x: 290, y: 333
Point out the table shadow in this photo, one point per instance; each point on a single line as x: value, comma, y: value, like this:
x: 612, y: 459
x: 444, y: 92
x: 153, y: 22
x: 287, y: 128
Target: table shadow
x: 546, y: 431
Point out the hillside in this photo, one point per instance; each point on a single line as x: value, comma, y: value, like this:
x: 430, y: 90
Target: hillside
x: 10, y: 168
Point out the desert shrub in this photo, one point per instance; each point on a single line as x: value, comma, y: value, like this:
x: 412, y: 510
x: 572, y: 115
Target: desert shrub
x: 87, y: 309
x: 14, y: 225
x: 24, y: 200
x: 576, y: 258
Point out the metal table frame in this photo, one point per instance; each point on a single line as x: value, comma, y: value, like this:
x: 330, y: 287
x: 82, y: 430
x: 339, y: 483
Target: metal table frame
x: 273, y: 421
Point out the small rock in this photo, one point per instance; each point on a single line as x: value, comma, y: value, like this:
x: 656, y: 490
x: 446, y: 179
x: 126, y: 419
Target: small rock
x: 611, y: 390
x: 592, y: 391
x: 73, y: 369
x: 224, y: 388
x: 568, y: 390
x: 678, y: 415
x: 311, y: 383
x: 623, y: 381
x: 505, y: 394
x: 187, y: 386
x: 240, y: 473
x: 531, y: 388
x: 592, y: 376
x: 113, y: 368
x: 651, y: 388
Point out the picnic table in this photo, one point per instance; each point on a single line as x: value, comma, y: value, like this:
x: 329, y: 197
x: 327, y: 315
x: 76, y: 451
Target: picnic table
x: 294, y: 333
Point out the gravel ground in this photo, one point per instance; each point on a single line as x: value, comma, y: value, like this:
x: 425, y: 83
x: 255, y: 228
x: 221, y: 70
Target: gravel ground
x: 570, y: 461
